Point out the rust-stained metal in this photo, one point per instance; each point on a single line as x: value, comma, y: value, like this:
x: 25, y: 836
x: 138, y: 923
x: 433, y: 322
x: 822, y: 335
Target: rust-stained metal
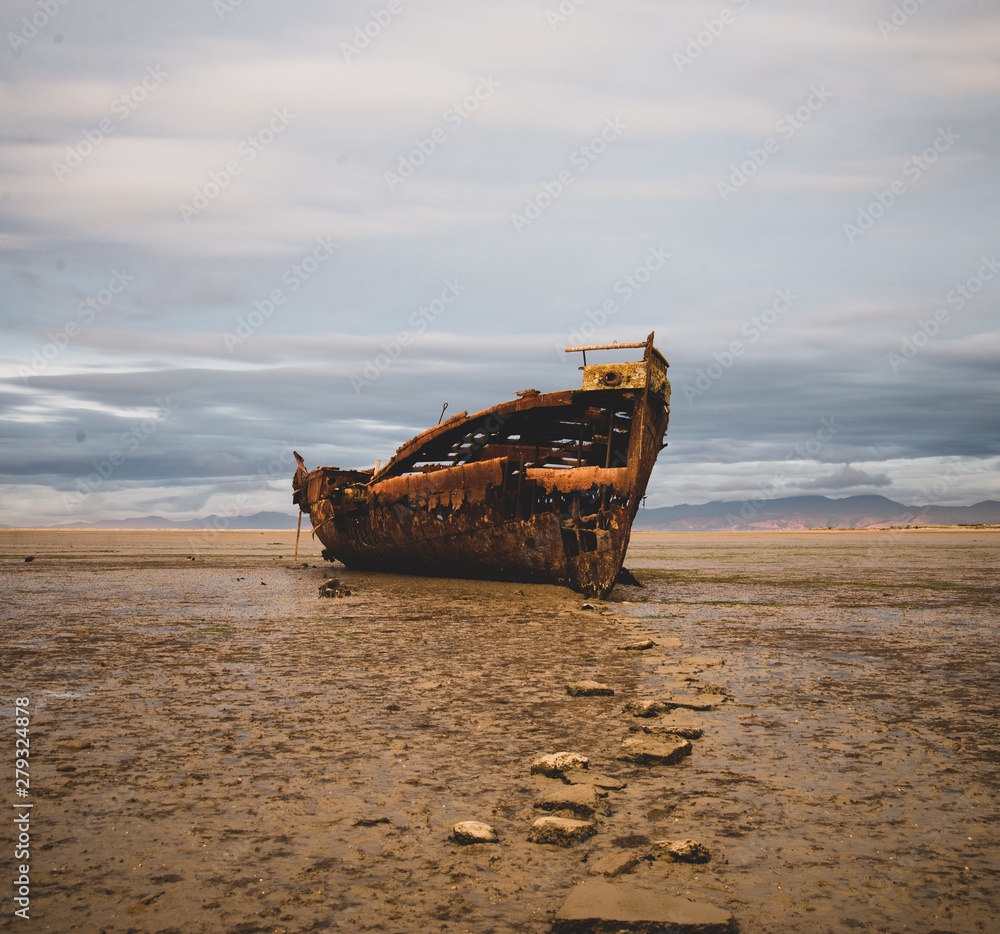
x: 540, y: 489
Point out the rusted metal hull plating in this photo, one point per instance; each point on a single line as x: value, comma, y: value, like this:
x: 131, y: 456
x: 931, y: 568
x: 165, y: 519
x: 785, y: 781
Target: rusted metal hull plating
x: 542, y: 489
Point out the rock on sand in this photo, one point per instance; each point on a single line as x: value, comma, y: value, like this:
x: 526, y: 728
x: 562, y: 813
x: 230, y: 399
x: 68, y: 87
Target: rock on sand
x: 560, y: 831
x: 474, y: 831
x: 681, y: 851
x: 589, y: 689
x: 580, y: 800
x: 613, y: 864
x: 651, y: 749
x: 555, y: 764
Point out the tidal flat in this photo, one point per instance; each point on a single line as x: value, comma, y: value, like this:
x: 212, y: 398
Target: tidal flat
x: 215, y: 749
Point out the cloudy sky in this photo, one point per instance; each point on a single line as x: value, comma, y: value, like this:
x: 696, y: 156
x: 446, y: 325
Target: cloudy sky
x: 230, y: 229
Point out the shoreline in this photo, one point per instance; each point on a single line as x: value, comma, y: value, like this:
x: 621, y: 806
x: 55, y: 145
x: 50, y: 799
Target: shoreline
x: 216, y: 747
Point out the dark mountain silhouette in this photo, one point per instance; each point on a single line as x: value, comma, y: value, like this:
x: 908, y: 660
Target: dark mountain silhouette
x: 260, y: 520
x: 793, y: 512
x: 810, y: 512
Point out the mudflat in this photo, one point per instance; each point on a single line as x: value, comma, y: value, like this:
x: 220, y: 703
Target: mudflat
x: 216, y: 748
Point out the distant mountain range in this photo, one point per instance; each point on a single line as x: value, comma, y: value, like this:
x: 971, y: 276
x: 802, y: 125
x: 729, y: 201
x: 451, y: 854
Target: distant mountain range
x: 794, y: 512
x: 810, y: 512
x: 260, y: 520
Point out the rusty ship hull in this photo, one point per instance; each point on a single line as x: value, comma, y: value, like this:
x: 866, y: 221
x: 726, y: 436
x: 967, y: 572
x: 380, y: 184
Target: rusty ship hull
x: 541, y: 489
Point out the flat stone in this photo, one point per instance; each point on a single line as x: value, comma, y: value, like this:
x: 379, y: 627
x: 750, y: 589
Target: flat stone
x: 613, y: 865
x: 555, y: 764
x: 695, y: 701
x: 603, y: 783
x: 597, y: 906
x: 589, y: 689
x: 560, y: 831
x: 677, y: 724
x: 646, y: 708
x: 638, y: 646
x: 579, y: 800
x: 681, y: 851
x: 474, y: 831
x: 654, y: 750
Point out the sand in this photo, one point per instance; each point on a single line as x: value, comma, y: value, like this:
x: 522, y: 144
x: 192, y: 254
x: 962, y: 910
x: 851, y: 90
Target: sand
x: 214, y: 748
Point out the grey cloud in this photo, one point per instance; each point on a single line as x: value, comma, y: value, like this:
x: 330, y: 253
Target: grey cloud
x: 846, y: 478
x: 826, y: 357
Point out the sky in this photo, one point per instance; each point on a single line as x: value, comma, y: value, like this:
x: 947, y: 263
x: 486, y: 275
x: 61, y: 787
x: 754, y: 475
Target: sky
x: 233, y: 229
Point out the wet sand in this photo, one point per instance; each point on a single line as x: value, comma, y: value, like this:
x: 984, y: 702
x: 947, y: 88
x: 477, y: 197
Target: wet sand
x: 214, y: 748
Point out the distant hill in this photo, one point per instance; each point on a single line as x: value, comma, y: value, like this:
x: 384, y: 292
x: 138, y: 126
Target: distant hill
x: 810, y: 512
x: 793, y: 512
x: 260, y: 520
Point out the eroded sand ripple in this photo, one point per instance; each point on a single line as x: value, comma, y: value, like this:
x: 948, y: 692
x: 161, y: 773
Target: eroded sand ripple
x: 217, y: 754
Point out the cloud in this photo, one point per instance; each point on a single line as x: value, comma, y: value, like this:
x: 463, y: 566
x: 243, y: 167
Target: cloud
x: 752, y: 385
x: 844, y: 479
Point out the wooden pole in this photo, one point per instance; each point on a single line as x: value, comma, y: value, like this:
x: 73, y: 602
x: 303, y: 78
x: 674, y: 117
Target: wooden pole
x: 298, y: 532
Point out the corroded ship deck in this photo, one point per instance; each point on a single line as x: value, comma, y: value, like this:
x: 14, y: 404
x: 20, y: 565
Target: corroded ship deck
x: 542, y: 489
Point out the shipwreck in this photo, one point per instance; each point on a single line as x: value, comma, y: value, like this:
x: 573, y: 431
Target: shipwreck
x: 541, y: 489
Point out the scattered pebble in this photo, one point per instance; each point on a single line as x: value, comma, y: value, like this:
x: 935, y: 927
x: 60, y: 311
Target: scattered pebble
x: 332, y: 588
